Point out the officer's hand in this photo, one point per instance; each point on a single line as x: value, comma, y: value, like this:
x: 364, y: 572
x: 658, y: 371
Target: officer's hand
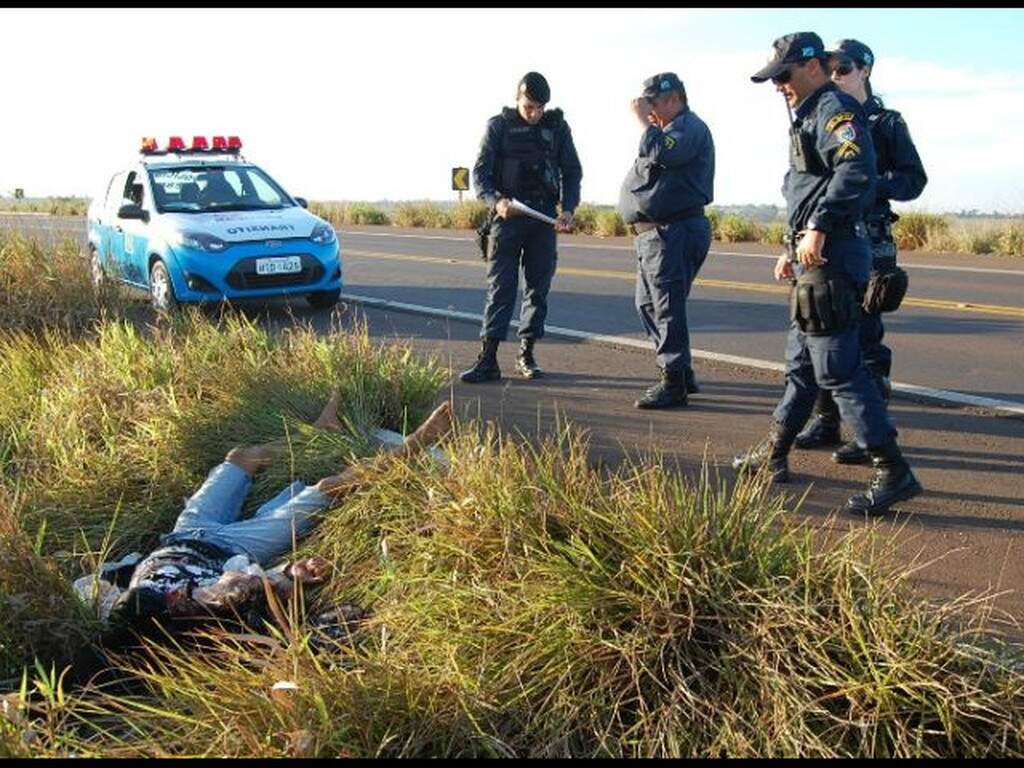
x: 503, y: 208
x: 564, y: 222
x: 783, y: 268
x: 642, y: 108
x: 808, y: 250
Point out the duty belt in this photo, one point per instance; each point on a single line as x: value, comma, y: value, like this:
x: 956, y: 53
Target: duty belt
x: 879, y: 229
x: 640, y: 227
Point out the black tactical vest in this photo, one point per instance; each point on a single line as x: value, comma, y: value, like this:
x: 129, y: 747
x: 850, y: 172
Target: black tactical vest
x: 527, y: 160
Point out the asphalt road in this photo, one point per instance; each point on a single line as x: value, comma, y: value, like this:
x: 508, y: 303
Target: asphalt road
x: 961, y: 327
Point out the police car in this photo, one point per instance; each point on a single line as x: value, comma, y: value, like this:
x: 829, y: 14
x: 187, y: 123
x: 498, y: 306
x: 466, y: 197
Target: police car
x: 199, y: 223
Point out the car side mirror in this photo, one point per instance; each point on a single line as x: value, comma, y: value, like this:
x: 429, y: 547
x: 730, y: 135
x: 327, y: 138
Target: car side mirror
x: 302, y: 201
x: 133, y: 212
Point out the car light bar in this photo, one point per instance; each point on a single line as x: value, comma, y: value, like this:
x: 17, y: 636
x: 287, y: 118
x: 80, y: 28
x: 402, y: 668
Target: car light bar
x: 176, y: 145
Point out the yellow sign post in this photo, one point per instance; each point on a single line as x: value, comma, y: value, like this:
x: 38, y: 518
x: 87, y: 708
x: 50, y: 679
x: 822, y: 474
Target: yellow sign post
x: 460, y: 180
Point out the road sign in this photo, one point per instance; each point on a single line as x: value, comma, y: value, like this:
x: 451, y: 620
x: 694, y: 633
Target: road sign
x: 19, y: 194
x: 460, y: 179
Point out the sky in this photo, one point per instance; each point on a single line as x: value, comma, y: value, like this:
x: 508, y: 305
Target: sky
x: 375, y: 104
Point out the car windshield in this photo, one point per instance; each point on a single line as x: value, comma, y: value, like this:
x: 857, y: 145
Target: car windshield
x: 206, y: 188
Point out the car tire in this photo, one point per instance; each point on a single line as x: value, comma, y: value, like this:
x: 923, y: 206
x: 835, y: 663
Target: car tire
x: 323, y: 299
x: 97, y: 272
x: 161, y: 289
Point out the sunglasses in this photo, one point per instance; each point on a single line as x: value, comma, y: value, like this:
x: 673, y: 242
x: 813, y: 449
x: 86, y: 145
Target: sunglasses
x: 842, y: 69
x: 783, y: 77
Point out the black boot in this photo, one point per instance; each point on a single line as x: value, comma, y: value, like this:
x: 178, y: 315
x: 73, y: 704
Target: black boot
x: 773, y: 451
x: 691, y: 382
x: 893, y: 482
x: 851, y: 453
x: 486, y: 366
x: 525, y: 362
x: 667, y: 393
x: 823, y: 431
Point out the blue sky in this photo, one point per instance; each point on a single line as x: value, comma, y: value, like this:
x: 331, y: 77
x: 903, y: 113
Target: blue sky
x: 367, y: 104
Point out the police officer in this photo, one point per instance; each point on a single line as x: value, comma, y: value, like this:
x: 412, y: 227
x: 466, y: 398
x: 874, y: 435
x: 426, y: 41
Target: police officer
x: 901, y: 176
x: 828, y: 188
x: 527, y: 153
x: 662, y: 200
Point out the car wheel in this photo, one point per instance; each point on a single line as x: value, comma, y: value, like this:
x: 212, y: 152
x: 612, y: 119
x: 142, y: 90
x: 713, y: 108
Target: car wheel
x: 99, y: 275
x: 323, y: 299
x: 161, y: 290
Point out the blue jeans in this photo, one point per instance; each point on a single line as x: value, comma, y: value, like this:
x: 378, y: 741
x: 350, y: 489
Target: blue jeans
x: 533, y: 243
x: 212, y: 514
x: 668, y: 259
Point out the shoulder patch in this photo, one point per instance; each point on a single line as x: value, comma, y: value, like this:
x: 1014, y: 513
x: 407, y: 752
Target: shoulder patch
x: 669, y: 142
x: 835, y: 120
x: 845, y: 132
x: 847, y: 150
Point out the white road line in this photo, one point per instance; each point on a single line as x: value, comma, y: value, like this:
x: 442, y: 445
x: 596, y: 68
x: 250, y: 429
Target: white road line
x: 602, y: 247
x: 942, y: 395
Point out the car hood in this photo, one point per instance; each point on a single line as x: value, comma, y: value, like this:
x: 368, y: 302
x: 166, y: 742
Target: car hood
x: 242, y: 226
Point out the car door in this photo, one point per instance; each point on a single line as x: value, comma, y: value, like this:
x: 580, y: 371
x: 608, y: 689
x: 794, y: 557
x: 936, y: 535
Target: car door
x: 130, y: 238
x: 106, y: 219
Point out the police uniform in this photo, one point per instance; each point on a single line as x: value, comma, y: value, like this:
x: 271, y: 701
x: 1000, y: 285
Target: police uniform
x: 537, y: 165
x: 830, y: 184
x: 662, y: 200
x: 901, y: 176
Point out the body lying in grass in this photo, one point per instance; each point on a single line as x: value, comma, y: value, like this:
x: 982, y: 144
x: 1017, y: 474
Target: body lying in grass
x: 212, y: 562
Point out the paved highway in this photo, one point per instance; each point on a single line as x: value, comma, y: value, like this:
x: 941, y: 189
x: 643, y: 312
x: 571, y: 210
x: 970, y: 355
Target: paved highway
x: 960, y: 328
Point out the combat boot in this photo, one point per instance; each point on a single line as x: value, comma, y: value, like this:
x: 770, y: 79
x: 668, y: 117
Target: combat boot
x: 822, y: 432
x: 525, y: 362
x: 669, y: 392
x: 851, y: 453
x: 691, y: 383
x: 486, y: 366
x: 893, y: 482
x: 772, y: 451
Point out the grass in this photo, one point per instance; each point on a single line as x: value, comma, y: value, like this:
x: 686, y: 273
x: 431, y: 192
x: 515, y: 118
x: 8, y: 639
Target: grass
x: 526, y: 604
x: 55, y: 206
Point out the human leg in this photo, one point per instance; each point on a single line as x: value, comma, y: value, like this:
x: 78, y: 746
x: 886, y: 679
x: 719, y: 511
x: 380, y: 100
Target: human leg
x: 540, y: 259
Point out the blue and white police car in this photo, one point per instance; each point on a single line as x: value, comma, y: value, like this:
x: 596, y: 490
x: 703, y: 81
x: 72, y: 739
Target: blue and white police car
x: 200, y: 223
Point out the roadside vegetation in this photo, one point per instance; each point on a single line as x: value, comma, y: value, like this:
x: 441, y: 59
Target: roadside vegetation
x: 520, y: 601
x: 941, y: 233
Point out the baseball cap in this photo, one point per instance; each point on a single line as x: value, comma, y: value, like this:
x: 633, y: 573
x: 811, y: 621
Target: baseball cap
x: 659, y: 84
x: 854, y: 50
x: 790, y: 49
x: 535, y: 86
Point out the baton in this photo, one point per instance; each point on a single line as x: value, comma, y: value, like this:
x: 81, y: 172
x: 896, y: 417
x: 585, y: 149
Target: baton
x: 524, y: 208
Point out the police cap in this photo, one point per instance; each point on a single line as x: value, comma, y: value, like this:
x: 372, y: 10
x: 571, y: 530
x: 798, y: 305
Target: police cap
x: 535, y: 86
x: 663, y: 83
x: 790, y: 49
x: 854, y: 50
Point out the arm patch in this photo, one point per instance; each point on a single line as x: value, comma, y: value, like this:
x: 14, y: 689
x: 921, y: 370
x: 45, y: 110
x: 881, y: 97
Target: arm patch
x: 669, y: 142
x: 835, y: 120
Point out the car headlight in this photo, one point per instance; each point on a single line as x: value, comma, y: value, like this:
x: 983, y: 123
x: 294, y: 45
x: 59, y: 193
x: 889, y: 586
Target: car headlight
x: 323, y: 234
x: 202, y: 241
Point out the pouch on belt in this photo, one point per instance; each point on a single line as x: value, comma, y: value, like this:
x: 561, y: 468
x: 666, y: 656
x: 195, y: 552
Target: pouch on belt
x: 823, y: 304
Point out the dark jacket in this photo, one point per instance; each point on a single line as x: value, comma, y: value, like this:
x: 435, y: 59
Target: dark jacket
x: 524, y: 161
x: 901, y: 175
x: 673, y: 172
x: 838, y: 187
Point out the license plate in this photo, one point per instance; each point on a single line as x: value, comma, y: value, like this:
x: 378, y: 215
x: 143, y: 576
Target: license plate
x: 279, y: 265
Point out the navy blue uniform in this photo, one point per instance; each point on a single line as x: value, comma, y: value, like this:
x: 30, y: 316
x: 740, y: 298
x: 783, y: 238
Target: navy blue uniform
x: 901, y: 176
x: 833, y: 195
x: 537, y: 165
x: 671, y: 181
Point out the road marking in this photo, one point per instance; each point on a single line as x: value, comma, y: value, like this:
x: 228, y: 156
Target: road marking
x: 943, y: 395
x: 608, y: 247
x: 732, y: 285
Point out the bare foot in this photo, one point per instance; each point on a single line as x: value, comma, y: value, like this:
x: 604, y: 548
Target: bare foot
x: 435, y: 427
x: 253, y: 458
x: 328, y: 418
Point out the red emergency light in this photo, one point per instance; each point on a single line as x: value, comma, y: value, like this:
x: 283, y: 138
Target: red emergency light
x: 199, y: 143
x: 234, y: 142
x: 148, y: 145
x: 175, y: 144
x: 219, y: 142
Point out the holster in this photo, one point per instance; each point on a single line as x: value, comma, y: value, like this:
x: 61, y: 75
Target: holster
x: 483, y: 236
x: 822, y: 304
x: 885, y: 291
